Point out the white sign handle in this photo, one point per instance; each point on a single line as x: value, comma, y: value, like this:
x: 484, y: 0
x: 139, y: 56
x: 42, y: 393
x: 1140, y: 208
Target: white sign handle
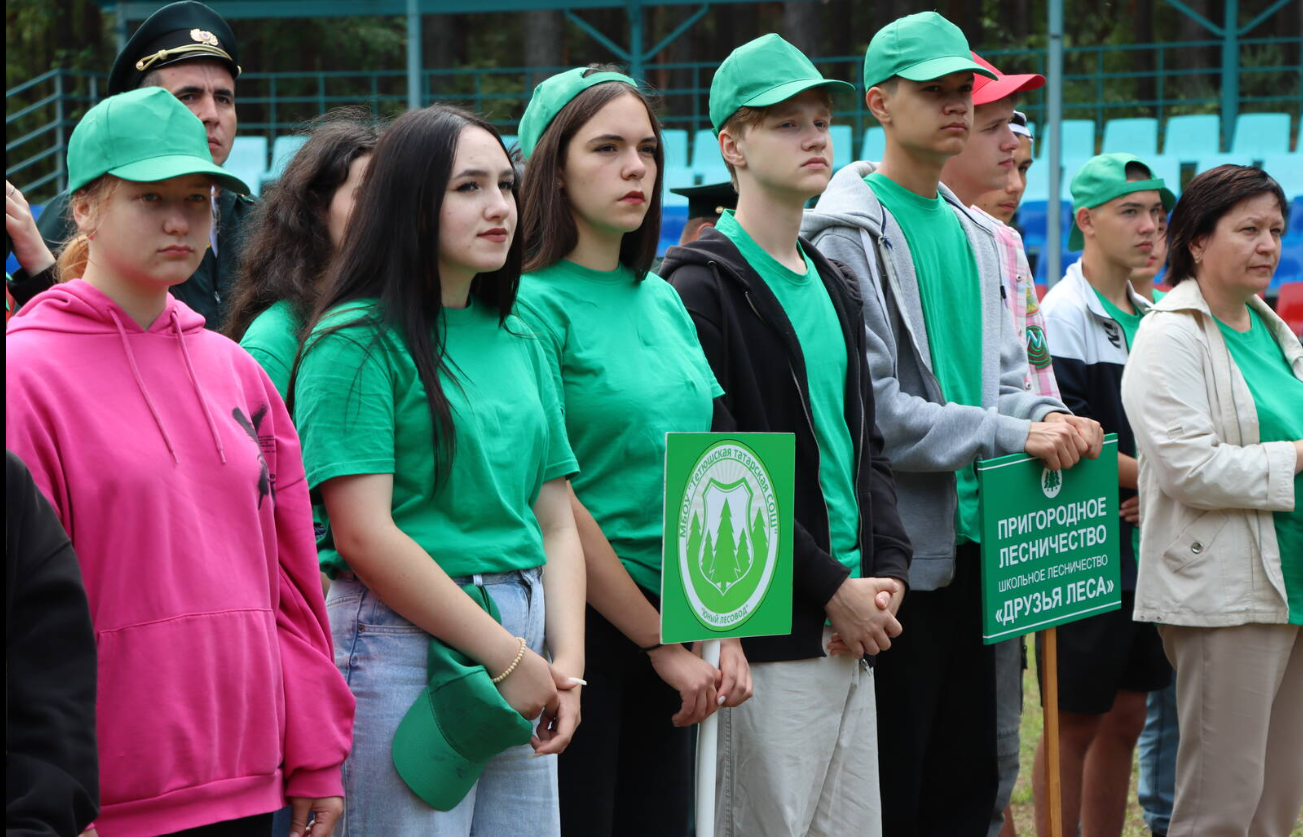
x: 707, y: 747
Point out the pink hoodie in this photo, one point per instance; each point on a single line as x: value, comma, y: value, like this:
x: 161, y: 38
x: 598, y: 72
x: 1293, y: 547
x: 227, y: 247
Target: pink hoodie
x: 174, y: 467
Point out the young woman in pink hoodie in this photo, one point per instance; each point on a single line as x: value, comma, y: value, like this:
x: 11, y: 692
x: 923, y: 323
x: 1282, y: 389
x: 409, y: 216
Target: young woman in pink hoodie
x: 175, y: 469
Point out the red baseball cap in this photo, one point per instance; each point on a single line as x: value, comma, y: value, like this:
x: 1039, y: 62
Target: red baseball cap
x: 987, y: 90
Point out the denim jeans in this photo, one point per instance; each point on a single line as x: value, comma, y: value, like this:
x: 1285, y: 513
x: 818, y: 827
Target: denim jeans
x: 383, y: 658
x: 1156, y: 787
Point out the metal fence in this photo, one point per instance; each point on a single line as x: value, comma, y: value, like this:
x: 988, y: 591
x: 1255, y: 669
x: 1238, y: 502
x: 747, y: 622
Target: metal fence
x: 1100, y: 82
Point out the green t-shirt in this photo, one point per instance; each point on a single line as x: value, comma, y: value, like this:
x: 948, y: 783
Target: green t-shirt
x: 272, y: 340
x: 806, y: 302
x: 951, y: 293
x: 360, y: 409
x: 626, y: 360
x: 1277, y: 396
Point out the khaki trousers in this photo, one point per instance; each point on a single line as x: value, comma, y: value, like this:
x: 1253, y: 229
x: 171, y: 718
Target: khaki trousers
x: 801, y: 756
x: 1239, y: 696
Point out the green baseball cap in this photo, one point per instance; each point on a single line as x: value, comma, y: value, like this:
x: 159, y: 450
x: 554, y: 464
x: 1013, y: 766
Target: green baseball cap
x: 919, y: 47
x: 1103, y: 178
x: 553, y: 94
x: 144, y: 135
x: 761, y: 73
x: 457, y: 725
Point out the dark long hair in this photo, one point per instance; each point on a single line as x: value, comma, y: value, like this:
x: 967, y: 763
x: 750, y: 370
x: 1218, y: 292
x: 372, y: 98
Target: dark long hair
x: 1203, y: 203
x: 289, y: 246
x: 391, y: 252
x: 546, y: 224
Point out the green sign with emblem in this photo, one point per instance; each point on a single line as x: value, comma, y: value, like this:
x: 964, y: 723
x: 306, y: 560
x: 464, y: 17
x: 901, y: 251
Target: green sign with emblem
x: 1050, y: 549
x: 727, y: 568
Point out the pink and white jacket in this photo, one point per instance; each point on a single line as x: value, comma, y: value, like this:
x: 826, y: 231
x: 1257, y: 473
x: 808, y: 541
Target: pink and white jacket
x: 1020, y: 295
x: 174, y: 468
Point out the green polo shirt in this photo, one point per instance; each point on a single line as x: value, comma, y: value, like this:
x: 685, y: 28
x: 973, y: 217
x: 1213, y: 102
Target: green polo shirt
x: 1277, y: 397
x: 806, y: 302
x: 626, y: 360
x: 361, y: 409
x: 951, y: 293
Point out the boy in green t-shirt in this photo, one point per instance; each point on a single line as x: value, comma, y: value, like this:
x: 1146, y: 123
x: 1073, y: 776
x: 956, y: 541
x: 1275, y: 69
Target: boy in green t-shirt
x: 782, y: 329
x: 1107, y: 663
x: 948, y: 372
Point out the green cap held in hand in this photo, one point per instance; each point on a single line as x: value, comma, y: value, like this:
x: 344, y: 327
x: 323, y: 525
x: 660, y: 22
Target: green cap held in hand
x: 761, y: 73
x: 144, y: 135
x: 553, y: 94
x: 1103, y: 178
x: 919, y: 47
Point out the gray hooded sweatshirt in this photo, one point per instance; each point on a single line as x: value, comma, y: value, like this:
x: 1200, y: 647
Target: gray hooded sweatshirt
x: 927, y: 438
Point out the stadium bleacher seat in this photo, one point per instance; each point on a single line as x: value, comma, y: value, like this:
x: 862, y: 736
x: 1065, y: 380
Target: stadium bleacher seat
x: 248, y: 160
x: 1193, y: 136
x: 1289, y: 305
x: 1295, y: 230
x: 1212, y: 161
x: 1259, y: 135
x: 873, y: 144
x: 283, y: 150
x: 1038, y: 183
x: 675, y: 143
x: 1033, y: 222
x: 510, y: 141
x: 1137, y: 136
x: 675, y: 177
x: 1077, y: 139
x: 1167, y: 167
x: 1287, y: 169
x: 843, y: 148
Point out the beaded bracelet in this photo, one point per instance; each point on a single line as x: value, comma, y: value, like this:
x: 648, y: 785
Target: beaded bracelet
x: 520, y: 655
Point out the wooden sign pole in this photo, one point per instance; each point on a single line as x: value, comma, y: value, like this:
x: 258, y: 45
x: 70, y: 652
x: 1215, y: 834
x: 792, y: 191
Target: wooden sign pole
x: 1054, y: 785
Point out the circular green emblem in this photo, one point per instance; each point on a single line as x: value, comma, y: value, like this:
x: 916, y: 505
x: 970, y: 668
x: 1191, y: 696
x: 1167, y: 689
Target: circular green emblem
x: 728, y: 542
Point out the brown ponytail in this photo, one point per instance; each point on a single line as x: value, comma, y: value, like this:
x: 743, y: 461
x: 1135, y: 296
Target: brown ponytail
x: 75, y: 252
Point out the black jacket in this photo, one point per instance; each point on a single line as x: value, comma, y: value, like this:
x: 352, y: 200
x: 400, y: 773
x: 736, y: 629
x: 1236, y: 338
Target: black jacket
x: 51, y: 767
x: 207, y: 289
x: 757, y: 359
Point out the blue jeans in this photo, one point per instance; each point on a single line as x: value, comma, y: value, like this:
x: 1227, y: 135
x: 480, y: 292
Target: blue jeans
x: 383, y: 659
x: 1156, y: 788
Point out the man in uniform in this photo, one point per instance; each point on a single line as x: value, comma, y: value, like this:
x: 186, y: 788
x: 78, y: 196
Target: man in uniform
x: 189, y: 50
x: 705, y: 204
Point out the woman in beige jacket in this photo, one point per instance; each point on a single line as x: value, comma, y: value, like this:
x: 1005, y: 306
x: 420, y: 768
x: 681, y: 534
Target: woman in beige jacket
x: 1214, y: 394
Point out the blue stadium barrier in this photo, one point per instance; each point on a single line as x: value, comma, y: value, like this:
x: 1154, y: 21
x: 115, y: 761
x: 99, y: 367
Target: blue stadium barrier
x: 843, y: 146
x: 675, y: 143
x: 1259, y: 135
x: 1137, y: 136
x: 1193, y: 136
x: 248, y: 161
x: 1042, y: 264
x: 1290, y: 268
x: 673, y: 219
x: 1294, y: 232
x: 1033, y: 222
x: 873, y: 144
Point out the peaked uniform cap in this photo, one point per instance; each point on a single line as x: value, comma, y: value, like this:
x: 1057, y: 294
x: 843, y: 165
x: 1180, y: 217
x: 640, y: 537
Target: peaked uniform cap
x: 919, y: 47
x: 181, y: 31
x: 1103, y: 178
x: 144, y: 135
x: 761, y: 73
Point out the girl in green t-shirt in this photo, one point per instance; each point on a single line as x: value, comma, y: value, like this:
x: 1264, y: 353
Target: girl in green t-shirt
x: 629, y: 368
x: 291, y: 238
x: 435, y: 441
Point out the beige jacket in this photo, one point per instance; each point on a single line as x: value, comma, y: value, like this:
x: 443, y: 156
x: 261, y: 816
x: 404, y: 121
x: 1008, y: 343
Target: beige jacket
x: 1208, y: 551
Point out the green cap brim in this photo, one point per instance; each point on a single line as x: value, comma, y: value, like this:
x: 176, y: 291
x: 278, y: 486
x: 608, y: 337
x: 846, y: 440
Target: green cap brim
x: 178, y: 165
x: 934, y: 68
x: 1077, y: 241
x: 426, y: 761
x: 787, y: 90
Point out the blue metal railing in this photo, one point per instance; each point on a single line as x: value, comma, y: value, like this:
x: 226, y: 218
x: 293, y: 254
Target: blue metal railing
x: 1102, y: 82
